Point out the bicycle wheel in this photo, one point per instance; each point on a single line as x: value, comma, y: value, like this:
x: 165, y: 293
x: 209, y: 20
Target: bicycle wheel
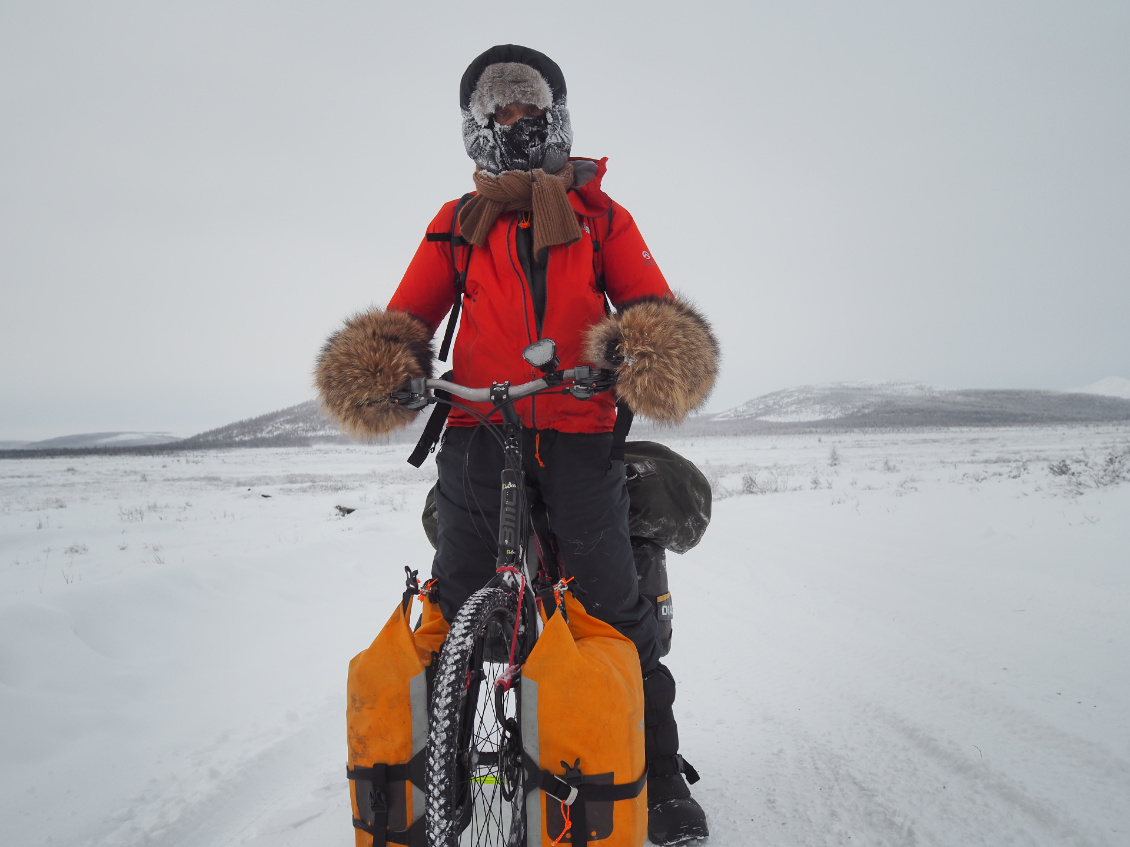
x: 475, y: 781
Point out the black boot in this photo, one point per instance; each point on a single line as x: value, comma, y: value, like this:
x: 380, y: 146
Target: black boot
x: 673, y: 816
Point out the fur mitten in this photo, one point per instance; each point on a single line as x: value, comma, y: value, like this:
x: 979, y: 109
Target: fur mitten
x: 664, y: 354
x: 374, y: 354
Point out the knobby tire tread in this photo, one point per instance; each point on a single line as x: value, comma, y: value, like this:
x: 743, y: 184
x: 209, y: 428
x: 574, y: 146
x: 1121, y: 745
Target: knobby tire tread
x: 448, y: 734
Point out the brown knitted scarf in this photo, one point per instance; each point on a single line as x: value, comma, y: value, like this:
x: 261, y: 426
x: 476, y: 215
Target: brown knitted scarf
x: 535, y: 191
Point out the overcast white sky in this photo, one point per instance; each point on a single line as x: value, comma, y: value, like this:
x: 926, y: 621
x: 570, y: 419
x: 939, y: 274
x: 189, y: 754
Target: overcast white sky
x: 193, y: 195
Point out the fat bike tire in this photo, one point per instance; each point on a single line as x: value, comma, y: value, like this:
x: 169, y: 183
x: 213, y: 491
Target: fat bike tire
x: 475, y: 785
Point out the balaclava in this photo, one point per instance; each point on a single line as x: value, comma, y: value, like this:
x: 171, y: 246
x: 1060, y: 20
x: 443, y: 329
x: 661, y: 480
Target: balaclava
x: 511, y: 74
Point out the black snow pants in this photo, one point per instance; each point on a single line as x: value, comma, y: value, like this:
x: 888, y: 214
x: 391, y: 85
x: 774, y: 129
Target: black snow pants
x: 587, y: 499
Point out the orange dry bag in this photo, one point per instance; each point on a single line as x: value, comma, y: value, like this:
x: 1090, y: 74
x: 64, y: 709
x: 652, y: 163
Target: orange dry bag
x: 386, y: 717
x: 582, y: 735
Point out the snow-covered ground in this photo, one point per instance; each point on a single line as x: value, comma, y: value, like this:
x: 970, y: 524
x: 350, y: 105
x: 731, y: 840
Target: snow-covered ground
x: 884, y: 639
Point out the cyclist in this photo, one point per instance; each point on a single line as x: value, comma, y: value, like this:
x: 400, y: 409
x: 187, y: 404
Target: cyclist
x: 545, y: 246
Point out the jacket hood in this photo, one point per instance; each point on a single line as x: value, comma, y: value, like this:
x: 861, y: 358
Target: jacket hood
x: 588, y: 199
x: 510, y: 73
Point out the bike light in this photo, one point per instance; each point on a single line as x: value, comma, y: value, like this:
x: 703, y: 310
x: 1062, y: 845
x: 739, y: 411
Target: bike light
x: 542, y: 355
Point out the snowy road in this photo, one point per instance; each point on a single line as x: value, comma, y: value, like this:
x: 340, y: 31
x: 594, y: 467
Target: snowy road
x: 884, y: 639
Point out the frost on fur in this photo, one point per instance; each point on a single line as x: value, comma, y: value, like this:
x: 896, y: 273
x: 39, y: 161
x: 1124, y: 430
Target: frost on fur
x: 372, y: 355
x: 664, y: 354
x: 504, y: 83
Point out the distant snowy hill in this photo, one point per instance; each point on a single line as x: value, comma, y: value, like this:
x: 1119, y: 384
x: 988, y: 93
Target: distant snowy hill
x: 809, y: 403
x: 1112, y: 386
x: 867, y: 405
x: 295, y: 425
x: 102, y: 439
x: 292, y: 425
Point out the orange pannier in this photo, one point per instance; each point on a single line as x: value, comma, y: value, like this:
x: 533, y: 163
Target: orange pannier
x: 386, y: 718
x: 583, y: 734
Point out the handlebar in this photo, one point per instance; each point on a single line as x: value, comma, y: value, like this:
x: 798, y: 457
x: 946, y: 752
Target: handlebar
x: 582, y: 382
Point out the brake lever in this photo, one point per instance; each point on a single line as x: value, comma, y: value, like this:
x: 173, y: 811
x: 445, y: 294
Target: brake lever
x: 588, y: 381
x: 416, y: 396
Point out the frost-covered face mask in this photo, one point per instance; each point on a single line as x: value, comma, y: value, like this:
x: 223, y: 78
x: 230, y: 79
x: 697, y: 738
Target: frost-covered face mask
x: 531, y: 142
x: 521, y: 146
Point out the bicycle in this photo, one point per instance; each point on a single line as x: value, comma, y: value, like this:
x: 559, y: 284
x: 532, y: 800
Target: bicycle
x: 476, y: 779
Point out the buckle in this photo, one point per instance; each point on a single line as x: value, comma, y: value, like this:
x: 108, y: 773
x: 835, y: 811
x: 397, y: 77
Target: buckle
x: 378, y: 802
x: 570, y: 794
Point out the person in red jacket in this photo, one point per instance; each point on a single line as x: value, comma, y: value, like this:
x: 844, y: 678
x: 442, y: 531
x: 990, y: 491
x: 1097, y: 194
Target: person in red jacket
x: 547, y: 246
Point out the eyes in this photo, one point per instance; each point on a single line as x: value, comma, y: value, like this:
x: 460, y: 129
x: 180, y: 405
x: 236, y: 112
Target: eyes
x: 506, y: 115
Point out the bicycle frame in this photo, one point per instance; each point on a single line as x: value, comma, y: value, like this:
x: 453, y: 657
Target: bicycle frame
x: 515, y: 524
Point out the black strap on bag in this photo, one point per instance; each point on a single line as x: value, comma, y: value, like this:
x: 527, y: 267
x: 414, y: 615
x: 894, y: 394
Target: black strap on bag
x: 624, y: 418
x: 457, y: 242
x: 429, y: 438
x: 575, y: 792
x: 372, y: 801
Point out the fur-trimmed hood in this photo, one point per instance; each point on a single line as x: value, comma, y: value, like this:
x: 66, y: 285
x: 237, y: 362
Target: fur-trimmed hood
x: 510, y: 73
x: 504, y: 83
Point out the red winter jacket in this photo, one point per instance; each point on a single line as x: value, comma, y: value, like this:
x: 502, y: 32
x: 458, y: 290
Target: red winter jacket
x: 497, y: 321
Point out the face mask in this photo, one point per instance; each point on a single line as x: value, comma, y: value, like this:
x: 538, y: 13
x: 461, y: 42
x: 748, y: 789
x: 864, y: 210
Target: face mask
x: 541, y: 142
x: 521, y: 146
